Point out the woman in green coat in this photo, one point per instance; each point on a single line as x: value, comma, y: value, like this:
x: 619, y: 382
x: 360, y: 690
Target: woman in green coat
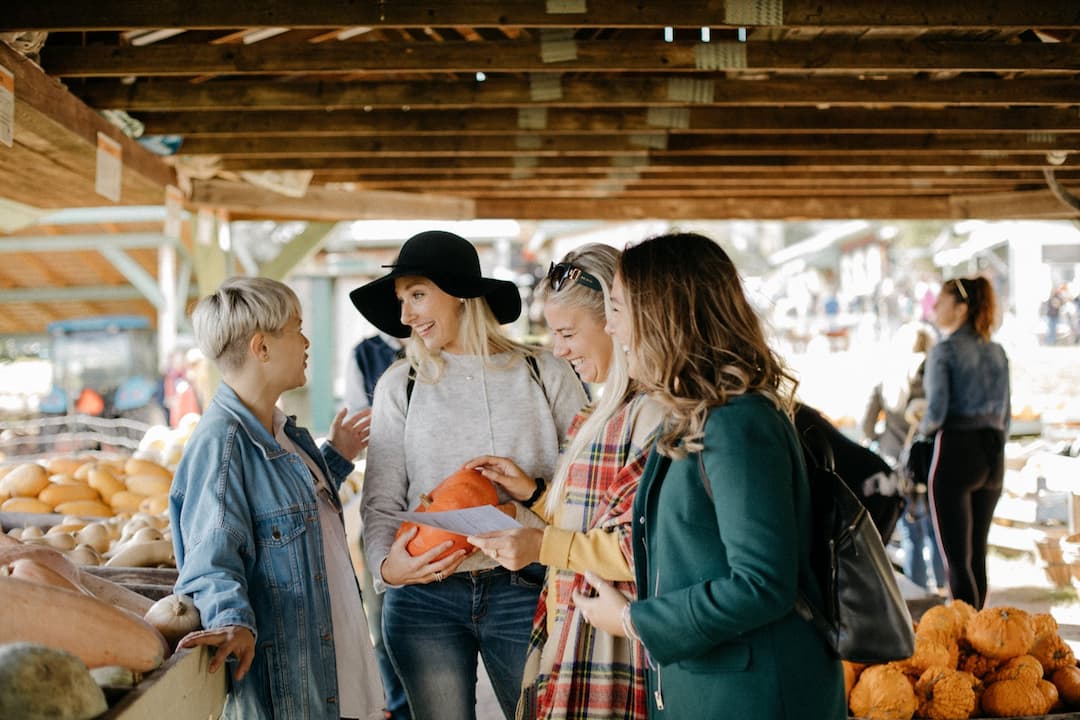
x: 722, y: 515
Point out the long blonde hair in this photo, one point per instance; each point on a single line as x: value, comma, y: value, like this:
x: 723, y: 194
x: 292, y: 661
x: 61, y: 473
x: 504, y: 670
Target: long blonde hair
x: 695, y: 336
x: 600, y: 262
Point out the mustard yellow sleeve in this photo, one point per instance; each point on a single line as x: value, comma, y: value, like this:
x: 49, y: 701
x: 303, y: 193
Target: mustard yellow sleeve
x: 539, y: 508
x: 597, y: 551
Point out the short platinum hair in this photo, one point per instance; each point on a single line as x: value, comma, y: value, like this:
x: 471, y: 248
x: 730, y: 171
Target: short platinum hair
x: 225, y: 320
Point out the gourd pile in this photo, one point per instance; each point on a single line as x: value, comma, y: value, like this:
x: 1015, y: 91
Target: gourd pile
x: 997, y: 662
x: 67, y: 634
x: 114, y: 509
x: 86, y: 487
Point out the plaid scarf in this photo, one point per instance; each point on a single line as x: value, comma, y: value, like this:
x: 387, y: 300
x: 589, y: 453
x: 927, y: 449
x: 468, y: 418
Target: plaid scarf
x: 578, y: 671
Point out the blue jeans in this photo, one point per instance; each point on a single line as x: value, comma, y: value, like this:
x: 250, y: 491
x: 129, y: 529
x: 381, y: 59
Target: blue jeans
x: 916, y: 532
x: 434, y: 634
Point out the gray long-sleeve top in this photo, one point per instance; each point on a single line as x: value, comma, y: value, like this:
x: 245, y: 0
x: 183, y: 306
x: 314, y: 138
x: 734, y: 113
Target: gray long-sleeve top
x: 472, y: 410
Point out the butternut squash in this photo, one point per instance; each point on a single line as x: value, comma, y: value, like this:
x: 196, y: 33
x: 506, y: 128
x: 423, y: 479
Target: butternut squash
x: 56, y: 494
x: 155, y: 505
x: 25, y: 480
x: 65, y: 528
x: 66, y: 479
x: 126, y: 501
x: 105, y: 635
x: 116, y: 594
x: 143, y: 554
x: 43, y: 555
x: 33, y: 571
x: 84, y: 554
x: 105, y: 482
x: 149, y: 485
x: 137, y: 466
x: 26, y: 505
x: 64, y: 464
x: 96, y: 535
x: 85, y: 508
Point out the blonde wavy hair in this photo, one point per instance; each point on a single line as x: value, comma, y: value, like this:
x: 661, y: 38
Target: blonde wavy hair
x: 599, y: 261
x: 695, y: 337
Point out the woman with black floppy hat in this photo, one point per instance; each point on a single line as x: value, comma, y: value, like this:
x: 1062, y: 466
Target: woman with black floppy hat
x: 465, y: 389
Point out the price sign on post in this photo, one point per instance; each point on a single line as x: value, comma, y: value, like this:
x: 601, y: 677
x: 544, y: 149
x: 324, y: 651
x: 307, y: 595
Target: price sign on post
x: 7, y: 106
x: 107, y: 180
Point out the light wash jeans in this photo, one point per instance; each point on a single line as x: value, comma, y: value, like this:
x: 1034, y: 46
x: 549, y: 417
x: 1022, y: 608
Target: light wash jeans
x: 917, y: 532
x: 434, y: 634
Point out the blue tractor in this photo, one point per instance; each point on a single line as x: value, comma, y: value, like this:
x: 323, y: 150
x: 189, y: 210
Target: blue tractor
x: 104, y: 367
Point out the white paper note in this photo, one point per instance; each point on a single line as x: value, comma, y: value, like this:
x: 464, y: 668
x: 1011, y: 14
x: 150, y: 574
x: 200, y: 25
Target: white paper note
x: 109, y: 167
x: 469, y: 521
x: 7, y: 106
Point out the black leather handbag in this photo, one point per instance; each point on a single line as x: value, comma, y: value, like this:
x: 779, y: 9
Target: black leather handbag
x: 863, y: 616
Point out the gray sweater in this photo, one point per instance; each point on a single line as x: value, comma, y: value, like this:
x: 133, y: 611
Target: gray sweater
x: 473, y: 410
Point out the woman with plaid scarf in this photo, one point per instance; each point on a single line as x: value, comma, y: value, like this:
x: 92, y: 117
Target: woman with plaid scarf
x: 575, y: 671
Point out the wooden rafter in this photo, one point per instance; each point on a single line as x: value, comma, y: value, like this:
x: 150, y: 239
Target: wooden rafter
x: 118, y: 14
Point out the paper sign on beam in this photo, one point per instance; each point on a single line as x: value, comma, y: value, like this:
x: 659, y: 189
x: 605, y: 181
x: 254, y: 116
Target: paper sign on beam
x: 107, y: 179
x: 174, y: 207
x: 7, y: 106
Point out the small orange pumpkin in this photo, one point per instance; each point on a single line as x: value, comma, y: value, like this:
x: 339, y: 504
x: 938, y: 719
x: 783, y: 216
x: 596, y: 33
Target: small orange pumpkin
x: 1001, y: 632
x: 462, y: 489
x: 1010, y: 698
x: 1067, y: 681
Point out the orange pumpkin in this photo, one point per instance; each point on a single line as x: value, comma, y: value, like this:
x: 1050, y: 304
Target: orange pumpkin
x: 463, y: 489
x: 1001, y: 632
x: 1067, y: 681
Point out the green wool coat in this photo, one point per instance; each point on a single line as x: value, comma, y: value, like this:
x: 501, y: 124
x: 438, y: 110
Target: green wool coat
x: 717, y: 576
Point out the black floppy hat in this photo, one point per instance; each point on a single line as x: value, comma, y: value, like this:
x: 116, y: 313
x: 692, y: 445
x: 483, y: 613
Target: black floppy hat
x: 448, y: 260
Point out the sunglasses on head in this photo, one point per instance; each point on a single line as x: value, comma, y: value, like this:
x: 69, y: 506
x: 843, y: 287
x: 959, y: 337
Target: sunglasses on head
x: 561, y: 273
x: 959, y: 285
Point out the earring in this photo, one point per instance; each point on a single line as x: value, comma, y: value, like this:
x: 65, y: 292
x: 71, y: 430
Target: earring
x: 266, y: 357
x: 461, y: 300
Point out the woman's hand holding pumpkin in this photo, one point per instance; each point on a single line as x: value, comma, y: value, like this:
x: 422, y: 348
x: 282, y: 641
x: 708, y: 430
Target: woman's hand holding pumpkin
x: 503, y: 471
x: 605, y: 610
x: 349, y: 435
x: 513, y: 549
x: 401, y: 568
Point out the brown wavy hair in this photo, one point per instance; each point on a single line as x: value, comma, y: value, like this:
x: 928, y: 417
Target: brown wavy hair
x: 696, y: 338
x: 978, y: 294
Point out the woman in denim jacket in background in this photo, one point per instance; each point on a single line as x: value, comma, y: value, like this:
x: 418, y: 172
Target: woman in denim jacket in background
x: 968, y: 414
x: 259, y: 538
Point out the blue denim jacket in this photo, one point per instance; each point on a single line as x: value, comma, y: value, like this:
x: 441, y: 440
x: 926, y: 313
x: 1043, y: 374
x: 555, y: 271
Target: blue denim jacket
x: 249, y: 551
x: 967, y: 384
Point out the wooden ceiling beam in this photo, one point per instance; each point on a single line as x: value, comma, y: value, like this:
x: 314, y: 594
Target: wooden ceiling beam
x: 824, y: 55
x: 211, y: 14
x: 195, y: 126
x: 632, y: 91
x: 788, y: 208
x: 656, y: 144
x: 525, y: 167
x: 53, y: 160
x: 327, y: 205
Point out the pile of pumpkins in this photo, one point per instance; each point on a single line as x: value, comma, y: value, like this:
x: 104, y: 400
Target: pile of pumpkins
x: 996, y: 662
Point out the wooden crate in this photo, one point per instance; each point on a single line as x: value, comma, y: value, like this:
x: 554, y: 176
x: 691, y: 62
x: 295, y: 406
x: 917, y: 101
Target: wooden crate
x: 181, y: 689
